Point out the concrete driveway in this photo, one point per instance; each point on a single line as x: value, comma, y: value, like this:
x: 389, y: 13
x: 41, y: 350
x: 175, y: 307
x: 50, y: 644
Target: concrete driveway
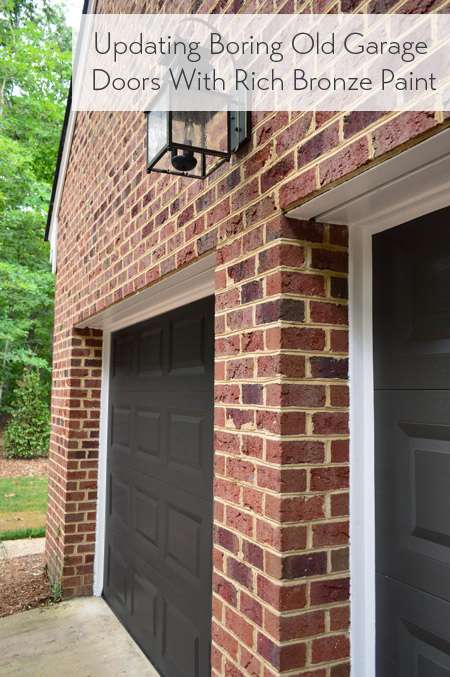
x: 79, y: 638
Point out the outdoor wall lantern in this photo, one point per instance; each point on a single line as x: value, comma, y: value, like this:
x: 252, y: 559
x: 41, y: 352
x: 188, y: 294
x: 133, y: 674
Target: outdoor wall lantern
x: 194, y: 143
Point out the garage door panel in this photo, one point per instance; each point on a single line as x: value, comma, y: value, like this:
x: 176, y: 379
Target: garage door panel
x: 171, y: 531
x: 188, y: 543
x: 412, y: 304
x: 146, y: 511
x: 148, y: 431
x: 180, y: 641
x: 150, y: 347
x: 122, y: 357
x: 174, y: 631
x: 144, y: 606
x: 159, y: 491
x: 116, y: 574
x: 413, y: 632
x: 120, y: 429
x: 413, y: 488
x: 187, y: 345
x: 188, y: 461
x: 118, y: 499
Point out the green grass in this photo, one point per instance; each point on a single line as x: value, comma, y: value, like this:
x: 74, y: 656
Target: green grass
x: 38, y: 532
x: 23, y: 494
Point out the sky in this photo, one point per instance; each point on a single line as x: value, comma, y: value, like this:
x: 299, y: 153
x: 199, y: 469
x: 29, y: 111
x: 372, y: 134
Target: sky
x: 73, y: 14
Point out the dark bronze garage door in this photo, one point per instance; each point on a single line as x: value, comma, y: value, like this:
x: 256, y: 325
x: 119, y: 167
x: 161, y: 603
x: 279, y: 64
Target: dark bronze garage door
x: 159, y: 486
x: 412, y: 447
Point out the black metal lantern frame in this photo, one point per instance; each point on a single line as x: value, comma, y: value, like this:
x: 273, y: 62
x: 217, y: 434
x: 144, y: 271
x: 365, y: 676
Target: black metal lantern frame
x: 238, y: 123
x: 164, y: 146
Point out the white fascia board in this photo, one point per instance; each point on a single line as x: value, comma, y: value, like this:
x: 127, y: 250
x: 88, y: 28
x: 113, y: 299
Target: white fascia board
x: 408, y: 185
x: 195, y: 281
x: 53, y: 229
x: 81, y: 54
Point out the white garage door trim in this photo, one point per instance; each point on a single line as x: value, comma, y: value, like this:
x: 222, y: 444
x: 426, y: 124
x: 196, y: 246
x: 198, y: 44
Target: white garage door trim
x: 409, y: 185
x: 189, y: 284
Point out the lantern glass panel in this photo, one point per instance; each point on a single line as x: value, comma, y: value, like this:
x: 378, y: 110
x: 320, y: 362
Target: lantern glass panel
x: 157, y: 129
x: 205, y: 130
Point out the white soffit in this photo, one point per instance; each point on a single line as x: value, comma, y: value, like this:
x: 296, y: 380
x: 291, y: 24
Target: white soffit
x: 389, y: 193
x: 189, y: 284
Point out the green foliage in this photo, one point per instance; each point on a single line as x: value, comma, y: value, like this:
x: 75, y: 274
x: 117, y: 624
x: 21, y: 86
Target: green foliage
x: 16, y: 534
x: 28, y: 432
x: 35, y: 68
x: 56, y: 589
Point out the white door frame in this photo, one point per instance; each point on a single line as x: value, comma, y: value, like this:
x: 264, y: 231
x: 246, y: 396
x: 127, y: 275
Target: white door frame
x: 194, y: 282
x: 409, y: 185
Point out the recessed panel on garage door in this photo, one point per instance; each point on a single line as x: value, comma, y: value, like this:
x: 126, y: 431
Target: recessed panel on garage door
x: 159, y: 487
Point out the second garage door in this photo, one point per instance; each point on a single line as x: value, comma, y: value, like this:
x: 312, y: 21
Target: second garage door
x: 412, y: 447
x: 159, y: 486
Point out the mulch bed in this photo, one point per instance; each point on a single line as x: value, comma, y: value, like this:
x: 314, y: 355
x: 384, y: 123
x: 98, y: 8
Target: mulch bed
x: 22, y: 467
x: 23, y: 584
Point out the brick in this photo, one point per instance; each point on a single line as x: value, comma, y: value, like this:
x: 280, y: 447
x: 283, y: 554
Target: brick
x: 295, y: 626
x: 280, y: 596
x: 329, y: 367
x: 356, y: 121
x: 294, y: 509
x: 301, y: 186
x: 241, y: 470
x: 402, y: 128
x: 339, y: 505
x: 252, y: 393
x: 340, y: 451
x: 293, y: 452
x: 240, y: 520
x: 280, y: 255
x: 251, y: 608
x: 330, y: 591
x: 224, y: 640
x: 295, y: 229
x: 318, y: 144
x: 291, y: 282
x: 335, y: 533
x: 296, y: 131
x: 301, y: 566
x: 341, y: 670
x: 253, y: 500
x: 250, y: 663
x: 241, y: 418
x: 272, y: 175
x: 340, y: 559
x: 340, y: 618
x: 330, y: 648
x: 349, y: 159
x: 326, y: 479
x: 287, y: 657
x: 226, y: 539
x: 252, y: 291
x: 330, y: 423
x: 329, y: 259
x: 328, y: 313
x: 239, y: 626
x: 293, y: 395
x: 285, y: 422
x: 225, y: 589
x: 240, y: 573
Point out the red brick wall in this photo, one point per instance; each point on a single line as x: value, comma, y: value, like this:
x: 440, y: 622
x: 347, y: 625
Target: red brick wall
x: 281, y: 580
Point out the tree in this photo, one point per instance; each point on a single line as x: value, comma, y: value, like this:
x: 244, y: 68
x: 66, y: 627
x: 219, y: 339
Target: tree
x: 28, y: 432
x: 35, y: 67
